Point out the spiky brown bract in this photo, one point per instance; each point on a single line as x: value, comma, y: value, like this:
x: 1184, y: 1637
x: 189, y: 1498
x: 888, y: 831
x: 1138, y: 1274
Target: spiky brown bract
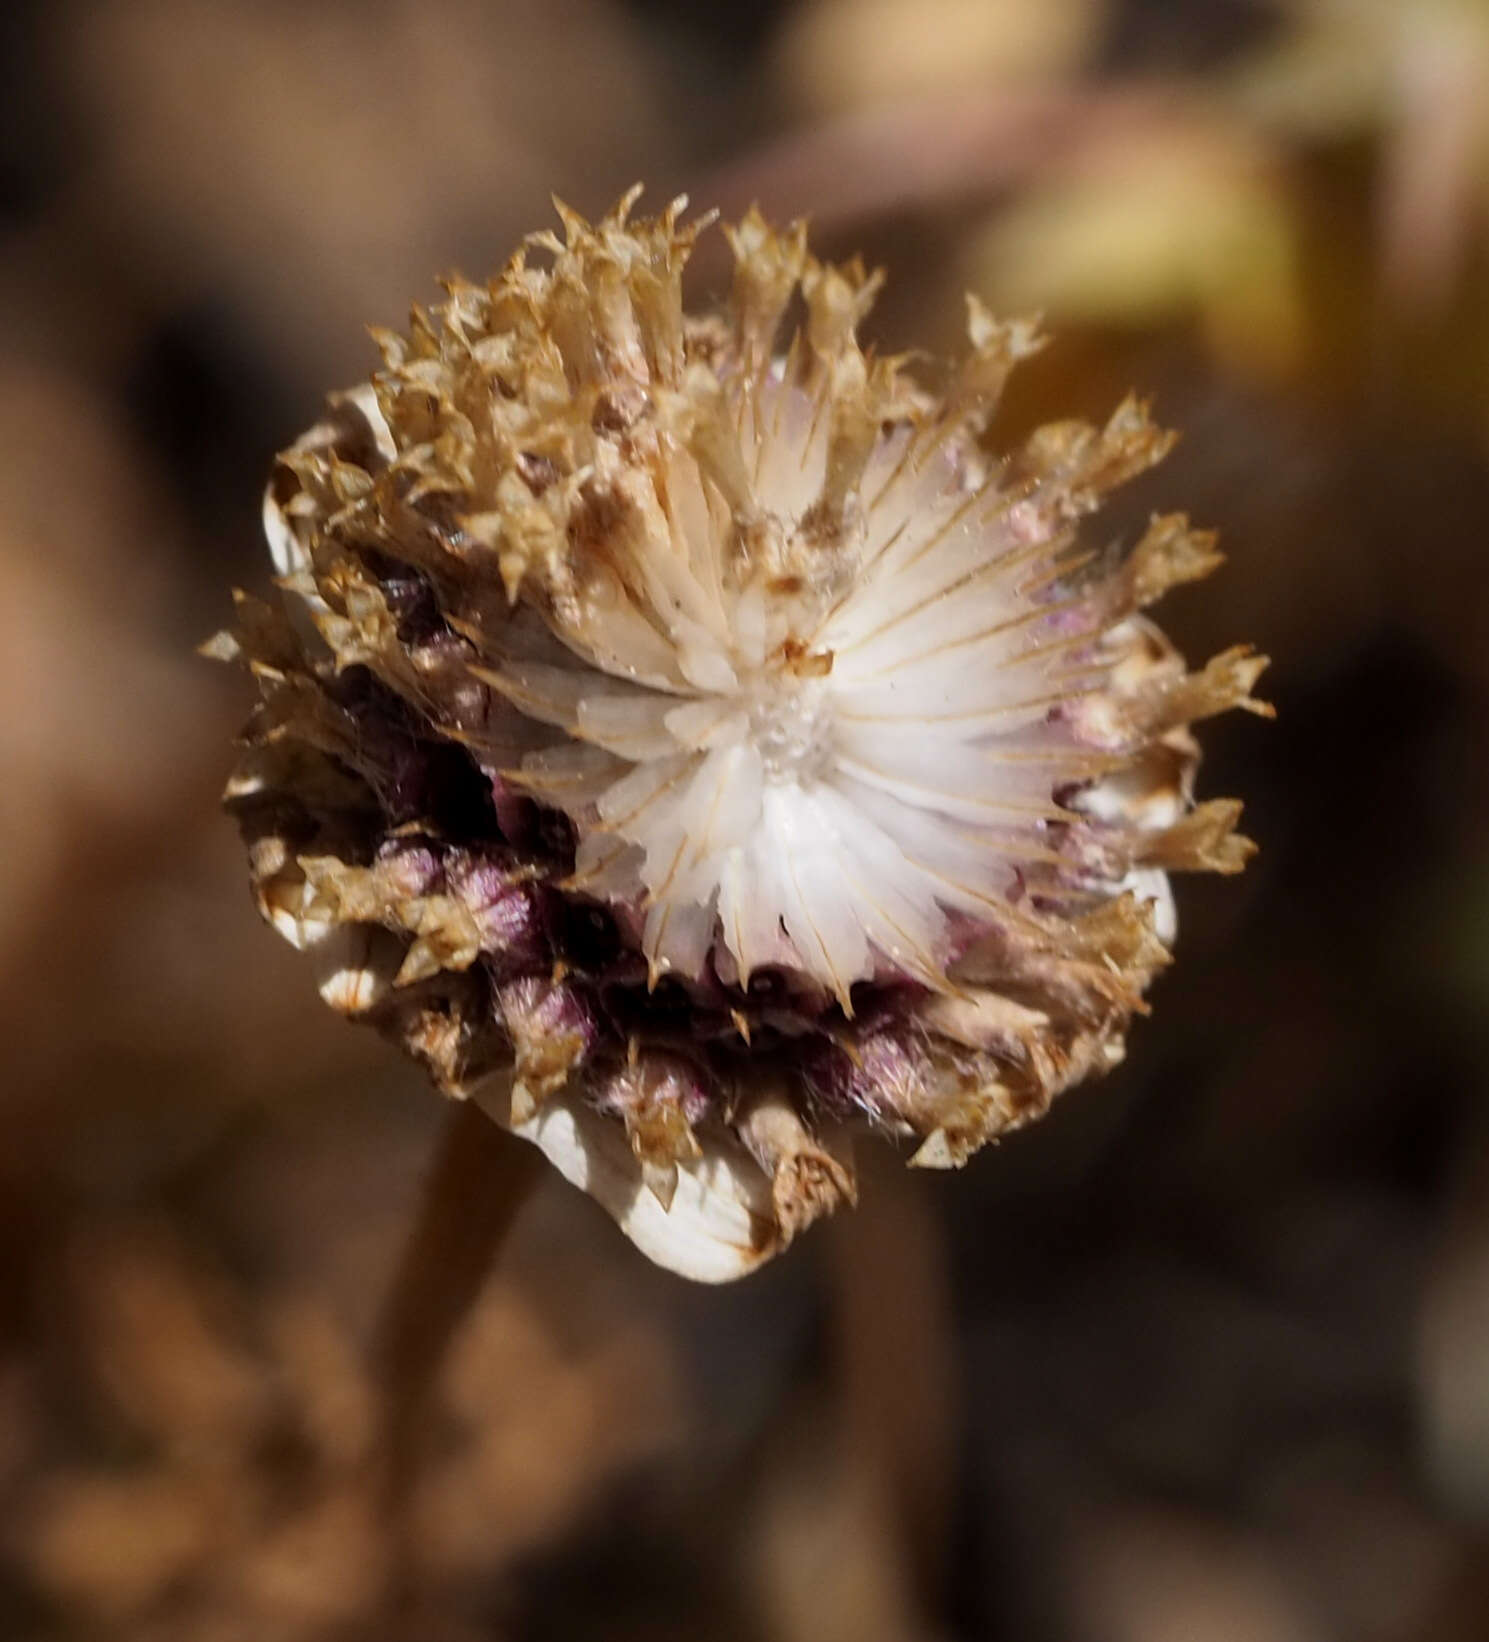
x: 700, y: 744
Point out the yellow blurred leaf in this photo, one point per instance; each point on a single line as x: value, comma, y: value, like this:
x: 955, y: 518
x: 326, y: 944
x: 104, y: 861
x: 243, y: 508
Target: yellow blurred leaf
x: 1150, y: 236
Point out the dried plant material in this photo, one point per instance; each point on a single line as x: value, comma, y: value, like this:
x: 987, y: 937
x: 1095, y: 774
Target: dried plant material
x: 155, y: 1341
x: 225, y: 1483
x: 111, y: 1546
x: 807, y: 1179
x: 711, y: 745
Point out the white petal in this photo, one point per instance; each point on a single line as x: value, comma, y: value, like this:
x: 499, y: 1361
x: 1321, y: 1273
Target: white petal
x: 895, y: 900
x: 704, y: 664
x: 570, y: 775
x: 750, y: 625
x: 792, y: 460
x: 629, y: 806
x: 607, y: 867
x: 973, y: 786
x: 749, y: 908
x: 678, y: 937
x: 720, y: 1223
x: 970, y: 869
x: 818, y: 903
x: 713, y: 721
x: 724, y: 801
x: 693, y: 533
x: 632, y: 725
x: 606, y: 629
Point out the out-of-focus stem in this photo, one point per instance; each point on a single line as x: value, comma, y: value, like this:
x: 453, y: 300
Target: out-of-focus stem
x: 896, y: 1348
x: 480, y: 1177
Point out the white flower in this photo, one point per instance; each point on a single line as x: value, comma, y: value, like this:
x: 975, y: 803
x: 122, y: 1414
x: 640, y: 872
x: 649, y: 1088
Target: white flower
x: 825, y: 741
x: 621, y: 643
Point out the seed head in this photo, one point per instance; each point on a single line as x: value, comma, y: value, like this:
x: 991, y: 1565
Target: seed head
x: 700, y: 747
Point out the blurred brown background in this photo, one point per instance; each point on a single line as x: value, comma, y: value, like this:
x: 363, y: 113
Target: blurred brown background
x: 1205, y: 1357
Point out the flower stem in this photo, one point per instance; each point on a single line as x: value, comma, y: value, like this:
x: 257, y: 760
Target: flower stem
x: 480, y: 1178
x: 896, y: 1350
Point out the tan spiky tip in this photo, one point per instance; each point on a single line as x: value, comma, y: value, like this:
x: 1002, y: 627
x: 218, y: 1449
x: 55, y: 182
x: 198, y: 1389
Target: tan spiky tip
x: 703, y: 743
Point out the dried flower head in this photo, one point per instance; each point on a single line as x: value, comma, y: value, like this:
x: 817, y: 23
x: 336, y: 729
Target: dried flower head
x: 699, y: 749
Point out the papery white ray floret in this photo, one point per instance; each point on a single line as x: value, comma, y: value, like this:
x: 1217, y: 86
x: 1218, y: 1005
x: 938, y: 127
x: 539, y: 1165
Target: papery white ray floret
x: 810, y: 748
